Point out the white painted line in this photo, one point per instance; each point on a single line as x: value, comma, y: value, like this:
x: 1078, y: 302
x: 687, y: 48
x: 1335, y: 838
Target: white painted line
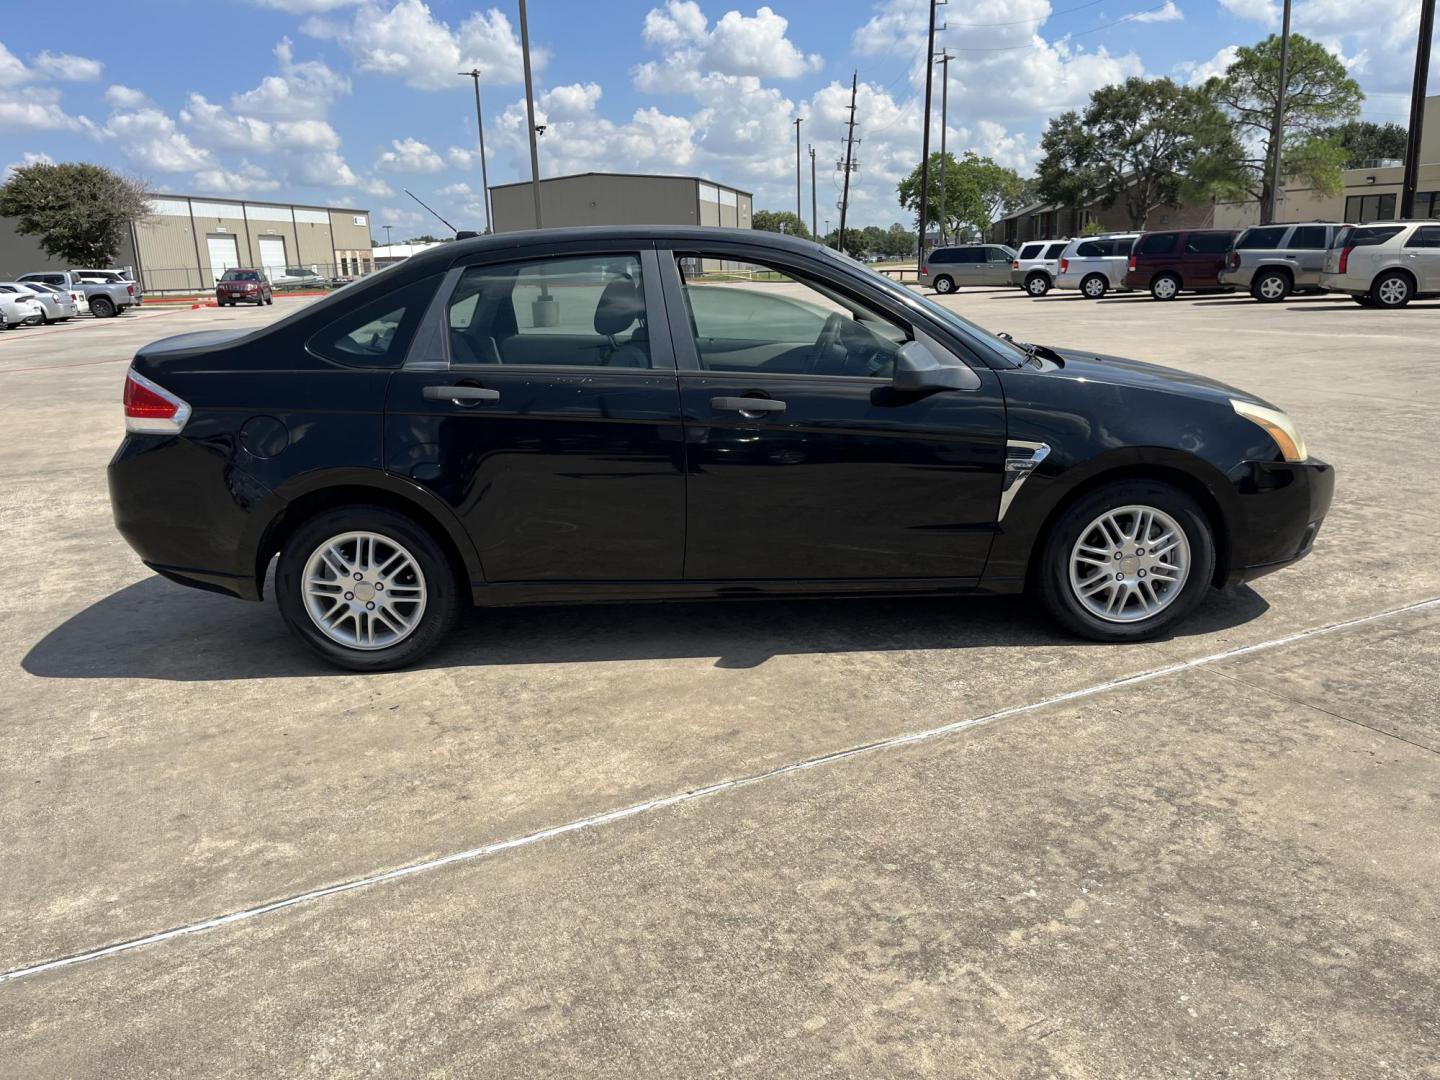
x: 610, y: 816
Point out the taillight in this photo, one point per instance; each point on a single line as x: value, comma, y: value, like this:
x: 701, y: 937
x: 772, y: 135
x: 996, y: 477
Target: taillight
x: 1064, y: 265
x: 924, y: 269
x: 150, y: 409
x: 1344, y: 258
x: 1234, y: 260
x: 1015, y: 265
x: 1131, y: 264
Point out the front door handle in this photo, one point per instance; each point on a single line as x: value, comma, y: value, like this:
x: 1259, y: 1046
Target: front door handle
x: 460, y: 394
x: 747, y: 405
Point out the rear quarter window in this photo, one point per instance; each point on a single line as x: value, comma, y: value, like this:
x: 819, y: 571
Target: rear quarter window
x: 1370, y: 235
x: 378, y: 332
x: 1092, y: 249
x: 1055, y: 251
x: 1031, y: 251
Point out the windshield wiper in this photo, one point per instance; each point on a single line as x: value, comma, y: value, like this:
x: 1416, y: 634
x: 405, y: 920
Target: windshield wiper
x: 1031, y: 351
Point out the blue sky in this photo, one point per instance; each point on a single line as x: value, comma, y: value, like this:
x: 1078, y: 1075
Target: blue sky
x: 351, y: 101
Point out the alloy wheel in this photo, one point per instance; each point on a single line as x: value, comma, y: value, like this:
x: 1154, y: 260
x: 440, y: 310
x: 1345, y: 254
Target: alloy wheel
x: 1393, y: 291
x: 1165, y: 288
x: 364, y: 590
x: 1094, y: 287
x: 1271, y: 287
x: 1037, y: 286
x: 1129, y: 564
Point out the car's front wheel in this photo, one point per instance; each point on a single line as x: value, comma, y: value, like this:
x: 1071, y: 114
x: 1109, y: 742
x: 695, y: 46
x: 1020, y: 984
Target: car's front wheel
x: 1127, y: 562
x: 366, y: 588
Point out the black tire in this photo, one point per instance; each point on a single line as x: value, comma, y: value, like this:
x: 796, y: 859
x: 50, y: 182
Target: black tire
x: 269, y: 300
x: 1392, y: 289
x: 1037, y: 284
x: 442, y: 586
x: 1052, y: 572
x: 944, y: 284
x: 1364, y: 300
x: 1270, y: 286
x: 1094, y: 286
x: 102, y: 307
x: 1164, y: 287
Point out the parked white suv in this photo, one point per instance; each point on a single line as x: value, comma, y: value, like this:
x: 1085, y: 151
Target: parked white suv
x: 1095, y: 264
x: 1034, y: 269
x: 1385, y: 264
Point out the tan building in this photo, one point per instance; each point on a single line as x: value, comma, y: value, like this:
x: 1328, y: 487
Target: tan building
x: 186, y: 242
x: 620, y: 199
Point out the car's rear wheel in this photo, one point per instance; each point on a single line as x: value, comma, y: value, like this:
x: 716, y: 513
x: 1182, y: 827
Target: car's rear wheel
x: 102, y: 307
x: 1037, y: 284
x: 1165, y: 287
x: 1127, y: 562
x: 1364, y: 300
x: 1270, y: 286
x: 1095, y: 286
x: 1392, y: 290
x: 366, y: 588
x: 944, y: 284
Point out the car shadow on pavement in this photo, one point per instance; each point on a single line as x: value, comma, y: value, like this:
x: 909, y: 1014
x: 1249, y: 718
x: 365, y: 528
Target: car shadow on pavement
x: 183, y: 635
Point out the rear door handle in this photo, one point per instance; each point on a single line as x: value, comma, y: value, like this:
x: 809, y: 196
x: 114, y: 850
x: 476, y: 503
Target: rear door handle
x: 460, y: 393
x: 747, y: 404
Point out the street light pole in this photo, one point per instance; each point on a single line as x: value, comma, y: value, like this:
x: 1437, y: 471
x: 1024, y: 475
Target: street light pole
x: 944, y: 123
x: 798, y: 215
x: 387, y: 229
x: 814, y: 211
x: 1277, y: 132
x: 530, y: 115
x: 1417, y: 110
x: 925, y: 142
x: 474, y: 74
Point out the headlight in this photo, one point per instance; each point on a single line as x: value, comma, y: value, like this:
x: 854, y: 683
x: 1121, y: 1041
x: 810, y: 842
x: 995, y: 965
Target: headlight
x: 1277, y: 425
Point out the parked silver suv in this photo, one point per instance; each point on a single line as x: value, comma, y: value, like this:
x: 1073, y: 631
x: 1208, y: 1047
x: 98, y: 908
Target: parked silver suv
x: 1385, y: 264
x: 1095, y: 264
x: 1273, y: 261
x: 948, y: 268
x: 1034, y: 269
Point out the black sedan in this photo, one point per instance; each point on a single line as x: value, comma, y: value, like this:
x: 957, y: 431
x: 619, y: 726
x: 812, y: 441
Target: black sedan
x: 653, y: 413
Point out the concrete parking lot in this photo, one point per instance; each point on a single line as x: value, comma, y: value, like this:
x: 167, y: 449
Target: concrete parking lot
x: 830, y: 838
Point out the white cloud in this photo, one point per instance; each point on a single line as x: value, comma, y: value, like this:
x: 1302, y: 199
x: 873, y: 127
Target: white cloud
x: 408, y: 42
x: 328, y: 169
x: 12, y: 71
x: 739, y: 45
x: 29, y: 158
x: 37, y: 109
x: 245, y: 179
x: 1193, y: 74
x: 462, y: 158
x: 1264, y: 12
x: 410, y: 155
x: 66, y: 67
x: 456, y: 191
x: 306, y: 7
x: 1169, y: 13
x: 303, y: 90
x: 215, y: 125
x: 306, y: 135
x: 150, y: 139
x: 125, y: 97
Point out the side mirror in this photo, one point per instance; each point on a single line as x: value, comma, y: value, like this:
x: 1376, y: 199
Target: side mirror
x: 917, y: 368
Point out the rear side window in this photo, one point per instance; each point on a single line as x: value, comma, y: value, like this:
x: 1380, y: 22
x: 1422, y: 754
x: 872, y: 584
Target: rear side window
x: 1031, y: 251
x: 1371, y: 235
x: 1427, y: 236
x: 1092, y: 249
x: 1156, y: 244
x: 1208, y: 243
x: 969, y: 255
x: 944, y: 255
x: 1256, y: 239
x: 1307, y: 238
x: 1054, y: 251
x: 376, y: 334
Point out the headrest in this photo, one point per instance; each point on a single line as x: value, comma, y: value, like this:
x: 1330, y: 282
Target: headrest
x: 620, y: 305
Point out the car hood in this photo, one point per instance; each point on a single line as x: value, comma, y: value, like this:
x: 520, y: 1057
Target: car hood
x: 1089, y: 367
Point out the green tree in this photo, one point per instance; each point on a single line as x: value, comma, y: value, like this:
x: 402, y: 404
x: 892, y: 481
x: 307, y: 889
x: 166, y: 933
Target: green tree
x: 1318, y: 93
x: 771, y: 220
x: 1365, y: 140
x: 79, y: 212
x: 1141, y: 144
x: 976, y: 191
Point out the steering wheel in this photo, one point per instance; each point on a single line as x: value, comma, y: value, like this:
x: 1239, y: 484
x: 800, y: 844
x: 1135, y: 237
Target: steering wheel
x: 827, y: 341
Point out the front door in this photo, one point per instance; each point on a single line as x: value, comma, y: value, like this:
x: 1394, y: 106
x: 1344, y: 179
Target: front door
x: 804, y: 463
x: 540, y: 403
x: 1422, y: 255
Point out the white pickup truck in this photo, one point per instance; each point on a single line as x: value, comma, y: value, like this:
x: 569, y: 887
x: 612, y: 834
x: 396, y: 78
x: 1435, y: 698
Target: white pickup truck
x: 105, y: 292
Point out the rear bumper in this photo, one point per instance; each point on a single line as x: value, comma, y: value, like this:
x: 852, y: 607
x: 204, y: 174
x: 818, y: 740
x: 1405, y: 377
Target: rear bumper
x: 1281, y: 509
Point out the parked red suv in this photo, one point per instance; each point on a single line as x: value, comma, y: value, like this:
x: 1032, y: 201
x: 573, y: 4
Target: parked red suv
x: 241, y: 284
x: 1180, y: 260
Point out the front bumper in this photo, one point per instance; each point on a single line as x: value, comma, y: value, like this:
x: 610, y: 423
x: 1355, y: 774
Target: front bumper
x: 1282, y: 506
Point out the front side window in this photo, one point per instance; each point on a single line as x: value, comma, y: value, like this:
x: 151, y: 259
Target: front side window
x: 1156, y: 244
x: 1208, y: 243
x: 584, y: 311
x: 1307, y: 238
x: 755, y: 319
x: 376, y: 334
x: 999, y: 255
x: 1427, y: 236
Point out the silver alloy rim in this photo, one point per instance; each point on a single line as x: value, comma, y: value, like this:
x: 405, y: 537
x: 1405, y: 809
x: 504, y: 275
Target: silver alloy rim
x: 1165, y: 288
x: 1129, y: 564
x: 943, y: 285
x: 364, y: 591
x: 1094, y: 287
x: 1037, y: 286
x: 1272, y: 287
x: 1393, y: 290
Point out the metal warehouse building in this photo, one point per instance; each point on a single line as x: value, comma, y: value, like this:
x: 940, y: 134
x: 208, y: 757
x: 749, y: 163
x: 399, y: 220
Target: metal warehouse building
x: 620, y: 199
x: 186, y: 243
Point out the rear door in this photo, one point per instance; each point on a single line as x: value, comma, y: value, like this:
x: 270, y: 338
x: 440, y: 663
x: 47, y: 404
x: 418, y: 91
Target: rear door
x: 1421, y: 254
x: 1305, y: 252
x: 804, y: 463
x: 1204, y: 258
x: 539, y: 401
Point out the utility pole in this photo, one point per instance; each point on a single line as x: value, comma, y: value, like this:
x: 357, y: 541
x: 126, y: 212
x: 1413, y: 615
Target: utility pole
x: 474, y: 74
x: 1277, y: 130
x: 530, y: 115
x: 925, y: 143
x: 849, y: 164
x: 798, y: 215
x: 1417, y: 110
x: 945, y: 59
x: 387, y: 229
x: 814, y: 206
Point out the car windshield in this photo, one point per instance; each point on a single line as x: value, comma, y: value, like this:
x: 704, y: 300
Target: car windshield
x: 963, y: 326
x: 241, y: 275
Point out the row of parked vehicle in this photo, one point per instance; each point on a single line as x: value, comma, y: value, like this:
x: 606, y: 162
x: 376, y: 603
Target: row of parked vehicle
x: 1384, y: 264
x: 52, y: 296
